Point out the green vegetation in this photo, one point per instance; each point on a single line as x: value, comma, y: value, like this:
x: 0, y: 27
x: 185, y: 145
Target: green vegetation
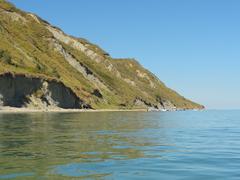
x: 28, y: 47
x: 7, y: 6
x: 5, y: 57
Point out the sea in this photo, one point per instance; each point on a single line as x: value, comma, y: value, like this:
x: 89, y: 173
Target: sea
x: 182, y: 145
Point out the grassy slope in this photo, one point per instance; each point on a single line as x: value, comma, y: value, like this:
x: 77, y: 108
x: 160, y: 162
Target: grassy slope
x: 25, y: 49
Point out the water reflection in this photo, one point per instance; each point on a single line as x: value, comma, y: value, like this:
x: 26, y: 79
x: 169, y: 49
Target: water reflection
x: 41, y: 142
x: 120, y: 145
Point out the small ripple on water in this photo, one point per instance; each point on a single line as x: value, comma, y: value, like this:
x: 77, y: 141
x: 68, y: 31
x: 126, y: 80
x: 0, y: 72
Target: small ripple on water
x: 16, y: 175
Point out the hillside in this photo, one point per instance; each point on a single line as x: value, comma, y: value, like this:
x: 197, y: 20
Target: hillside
x: 42, y: 67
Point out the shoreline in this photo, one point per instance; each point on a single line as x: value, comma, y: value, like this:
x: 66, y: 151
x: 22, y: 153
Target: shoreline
x: 59, y: 110
x: 7, y: 109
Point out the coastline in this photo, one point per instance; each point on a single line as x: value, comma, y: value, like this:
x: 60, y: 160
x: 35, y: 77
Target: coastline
x: 59, y: 110
x: 7, y: 109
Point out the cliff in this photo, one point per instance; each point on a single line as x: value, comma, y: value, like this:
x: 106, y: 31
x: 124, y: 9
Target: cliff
x: 42, y: 67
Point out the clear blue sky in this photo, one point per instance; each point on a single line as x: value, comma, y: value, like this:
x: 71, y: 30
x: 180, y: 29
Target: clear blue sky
x: 191, y: 45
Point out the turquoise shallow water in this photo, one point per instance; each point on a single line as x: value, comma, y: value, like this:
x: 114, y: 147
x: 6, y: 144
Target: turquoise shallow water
x: 120, y: 145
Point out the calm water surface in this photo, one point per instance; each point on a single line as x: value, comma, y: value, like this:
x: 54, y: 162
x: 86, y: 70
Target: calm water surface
x: 120, y: 145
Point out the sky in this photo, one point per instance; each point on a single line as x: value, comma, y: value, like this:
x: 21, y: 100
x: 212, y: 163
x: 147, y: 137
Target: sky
x: 193, y: 46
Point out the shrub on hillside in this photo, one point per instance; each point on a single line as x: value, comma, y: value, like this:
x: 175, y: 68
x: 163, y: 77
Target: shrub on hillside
x: 5, y: 57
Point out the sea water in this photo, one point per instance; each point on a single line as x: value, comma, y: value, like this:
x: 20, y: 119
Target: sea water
x: 120, y: 145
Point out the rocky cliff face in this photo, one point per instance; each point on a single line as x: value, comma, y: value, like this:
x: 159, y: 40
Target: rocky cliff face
x: 23, y: 91
x: 42, y: 67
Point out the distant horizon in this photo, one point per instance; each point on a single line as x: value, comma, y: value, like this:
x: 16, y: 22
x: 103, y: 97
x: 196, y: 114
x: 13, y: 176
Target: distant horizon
x: 226, y: 109
x: 193, y: 47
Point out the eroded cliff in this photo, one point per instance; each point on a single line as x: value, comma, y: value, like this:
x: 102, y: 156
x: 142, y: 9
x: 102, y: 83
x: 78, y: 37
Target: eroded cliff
x: 24, y: 91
